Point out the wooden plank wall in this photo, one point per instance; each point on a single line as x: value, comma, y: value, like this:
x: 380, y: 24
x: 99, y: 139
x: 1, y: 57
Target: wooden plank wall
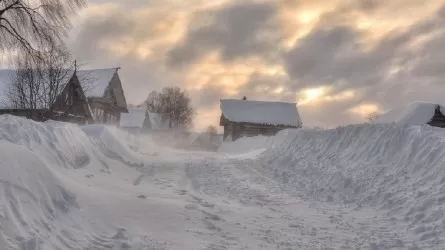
x: 237, y: 130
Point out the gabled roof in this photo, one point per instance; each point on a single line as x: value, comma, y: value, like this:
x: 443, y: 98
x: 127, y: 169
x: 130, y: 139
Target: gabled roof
x: 260, y: 112
x: 416, y: 113
x: 96, y: 81
x: 7, y: 77
x: 136, y: 116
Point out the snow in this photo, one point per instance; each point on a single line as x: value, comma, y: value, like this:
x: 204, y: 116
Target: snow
x: 136, y: 116
x: 96, y: 80
x: 416, y: 113
x: 273, y: 113
x: 246, y: 145
x: 370, y: 186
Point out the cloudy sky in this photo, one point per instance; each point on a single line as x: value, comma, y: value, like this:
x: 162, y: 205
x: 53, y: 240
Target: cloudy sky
x: 339, y: 59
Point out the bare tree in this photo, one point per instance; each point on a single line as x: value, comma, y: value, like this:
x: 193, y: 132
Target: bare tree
x: 173, y: 102
x: 38, y: 84
x: 372, y: 116
x: 33, y: 26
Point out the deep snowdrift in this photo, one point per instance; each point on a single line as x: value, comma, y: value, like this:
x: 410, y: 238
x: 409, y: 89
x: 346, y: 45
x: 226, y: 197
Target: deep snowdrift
x: 31, y: 201
x: 416, y: 113
x: 37, y: 210
x: 52, y: 174
x: 398, y: 169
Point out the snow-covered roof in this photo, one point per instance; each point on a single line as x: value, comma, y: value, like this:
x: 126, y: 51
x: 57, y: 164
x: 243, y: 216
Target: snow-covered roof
x: 96, y: 81
x: 8, y: 76
x: 260, y: 112
x: 136, y: 116
x: 416, y: 113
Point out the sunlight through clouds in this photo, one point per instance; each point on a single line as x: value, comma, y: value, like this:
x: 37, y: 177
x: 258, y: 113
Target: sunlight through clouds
x: 270, y: 50
x: 365, y: 109
x: 311, y: 94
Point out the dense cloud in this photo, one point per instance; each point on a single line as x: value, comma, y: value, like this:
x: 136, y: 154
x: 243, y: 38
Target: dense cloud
x: 386, y: 73
x: 339, y: 59
x: 235, y: 31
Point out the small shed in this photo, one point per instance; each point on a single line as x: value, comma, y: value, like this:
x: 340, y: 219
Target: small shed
x: 416, y: 113
x: 251, y: 118
x: 139, y: 120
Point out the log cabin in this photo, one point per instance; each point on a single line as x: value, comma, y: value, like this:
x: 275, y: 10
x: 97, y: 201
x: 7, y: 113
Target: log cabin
x: 251, y: 118
x: 86, y: 96
x: 70, y: 103
x: 106, y: 98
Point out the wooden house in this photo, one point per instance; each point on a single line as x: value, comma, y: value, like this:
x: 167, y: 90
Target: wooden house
x: 251, y: 118
x: 106, y: 98
x: 70, y: 104
x: 88, y: 96
x: 139, y: 120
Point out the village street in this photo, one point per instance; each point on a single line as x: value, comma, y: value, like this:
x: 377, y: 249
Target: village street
x: 65, y: 186
x: 199, y: 200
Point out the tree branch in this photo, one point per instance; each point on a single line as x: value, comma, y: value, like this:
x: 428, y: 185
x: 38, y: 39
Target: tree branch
x: 8, y: 7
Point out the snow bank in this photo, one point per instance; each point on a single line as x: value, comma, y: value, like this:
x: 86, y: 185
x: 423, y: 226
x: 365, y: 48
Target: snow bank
x: 31, y: 200
x: 69, y: 145
x: 395, y: 168
x: 60, y: 143
x: 37, y: 210
x: 417, y: 113
x: 114, y: 143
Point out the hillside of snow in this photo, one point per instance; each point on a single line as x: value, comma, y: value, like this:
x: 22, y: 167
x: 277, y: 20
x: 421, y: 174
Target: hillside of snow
x: 416, y: 113
x: 97, y: 187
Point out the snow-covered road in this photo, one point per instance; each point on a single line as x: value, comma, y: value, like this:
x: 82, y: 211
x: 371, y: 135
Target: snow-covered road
x: 212, y: 201
x: 65, y: 187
